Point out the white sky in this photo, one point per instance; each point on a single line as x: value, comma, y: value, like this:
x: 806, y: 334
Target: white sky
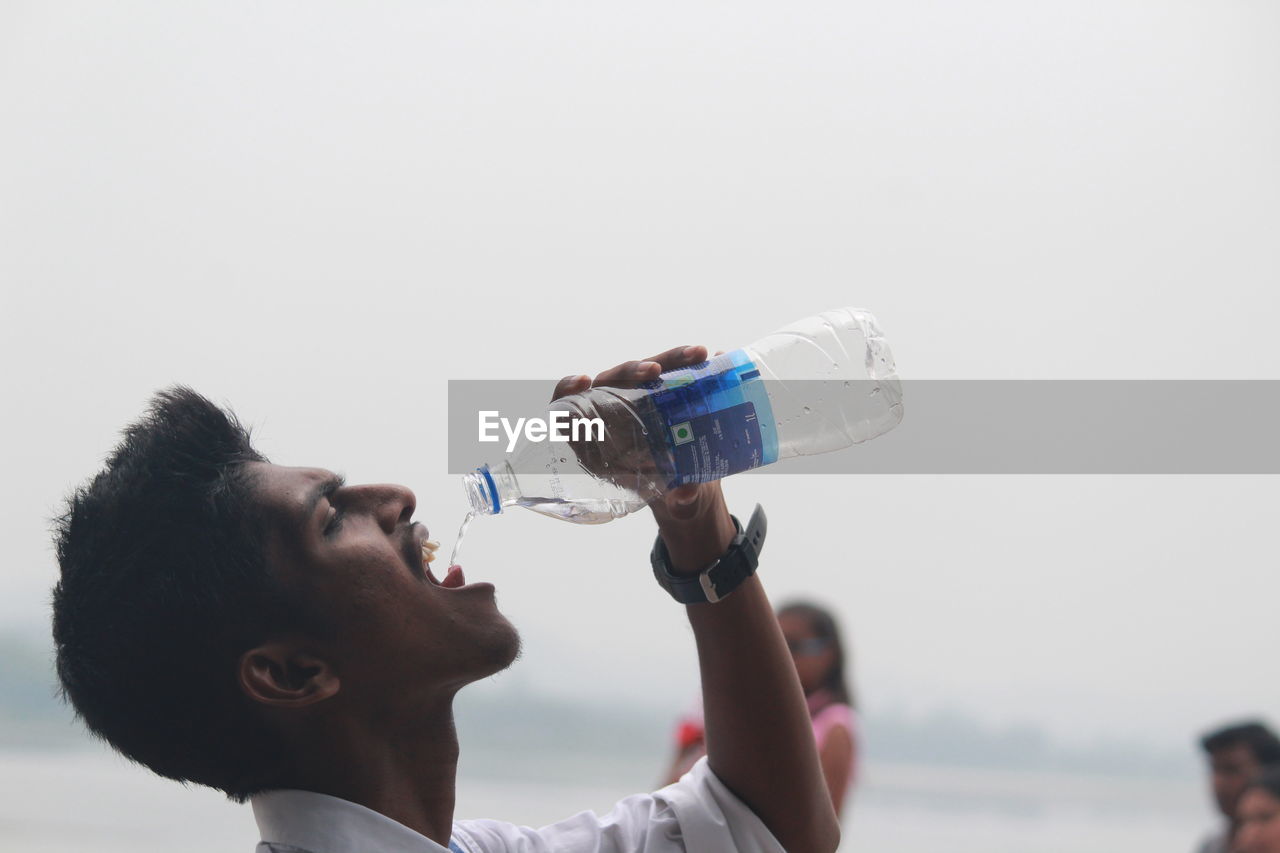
x: 320, y: 212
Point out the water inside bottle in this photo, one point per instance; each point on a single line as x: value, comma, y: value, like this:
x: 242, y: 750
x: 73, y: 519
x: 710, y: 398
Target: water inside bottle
x: 581, y: 511
x: 587, y: 511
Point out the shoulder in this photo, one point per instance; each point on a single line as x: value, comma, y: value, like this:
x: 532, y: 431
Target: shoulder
x: 630, y: 820
x: 837, y: 712
x: 495, y: 836
x: 696, y: 813
x: 835, y: 715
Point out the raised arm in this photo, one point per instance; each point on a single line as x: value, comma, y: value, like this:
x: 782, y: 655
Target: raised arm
x: 759, y: 737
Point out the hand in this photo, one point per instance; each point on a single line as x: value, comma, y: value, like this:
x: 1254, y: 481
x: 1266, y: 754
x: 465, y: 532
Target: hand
x: 693, y: 519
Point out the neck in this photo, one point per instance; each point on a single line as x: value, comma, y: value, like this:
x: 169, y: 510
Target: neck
x: 407, y: 773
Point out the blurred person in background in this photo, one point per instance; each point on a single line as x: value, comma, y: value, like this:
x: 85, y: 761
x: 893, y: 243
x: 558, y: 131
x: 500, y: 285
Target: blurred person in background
x: 1236, y: 753
x: 1258, y: 814
x: 813, y: 638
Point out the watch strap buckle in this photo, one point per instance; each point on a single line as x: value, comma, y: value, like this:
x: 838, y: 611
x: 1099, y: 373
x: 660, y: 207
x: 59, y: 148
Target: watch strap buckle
x: 708, y: 585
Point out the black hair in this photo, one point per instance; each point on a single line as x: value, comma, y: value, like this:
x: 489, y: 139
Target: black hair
x: 1260, y: 740
x: 164, y: 583
x: 1268, y: 779
x: 825, y: 628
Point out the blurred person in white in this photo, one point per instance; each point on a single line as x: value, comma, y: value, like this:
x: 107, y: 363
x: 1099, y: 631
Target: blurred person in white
x: 277, y: 634
x: 1258, y: 814
x: 1236, y: 753
x: 814, y: 640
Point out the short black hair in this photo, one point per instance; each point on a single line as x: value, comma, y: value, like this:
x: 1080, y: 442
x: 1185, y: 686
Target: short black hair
x: 1260, y: 740
x: 164, y: 584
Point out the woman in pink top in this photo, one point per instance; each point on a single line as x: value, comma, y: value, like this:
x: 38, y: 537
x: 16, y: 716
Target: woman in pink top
x: 814, y: 640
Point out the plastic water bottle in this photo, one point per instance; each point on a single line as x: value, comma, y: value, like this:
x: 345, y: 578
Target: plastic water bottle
x: 817, y: 385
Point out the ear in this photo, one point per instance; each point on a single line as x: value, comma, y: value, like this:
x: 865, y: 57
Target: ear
x: 282, y: 675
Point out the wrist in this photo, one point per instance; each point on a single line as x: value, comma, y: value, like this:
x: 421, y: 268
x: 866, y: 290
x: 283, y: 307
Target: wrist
x: 695, y: 543
x: 717, y: 578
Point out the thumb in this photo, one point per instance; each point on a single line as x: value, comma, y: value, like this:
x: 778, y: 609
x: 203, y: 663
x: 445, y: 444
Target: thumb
x: 684, y: 495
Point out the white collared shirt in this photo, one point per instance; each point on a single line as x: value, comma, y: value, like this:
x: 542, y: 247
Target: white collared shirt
x: 697, y: 813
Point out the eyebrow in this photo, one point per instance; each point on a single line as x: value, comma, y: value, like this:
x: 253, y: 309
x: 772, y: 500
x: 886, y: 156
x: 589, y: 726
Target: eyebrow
x: 326, y: 488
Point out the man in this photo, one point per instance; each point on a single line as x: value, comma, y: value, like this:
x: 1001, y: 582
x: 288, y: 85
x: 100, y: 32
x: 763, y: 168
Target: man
x: 1236, y: 754
x: 279, y: 635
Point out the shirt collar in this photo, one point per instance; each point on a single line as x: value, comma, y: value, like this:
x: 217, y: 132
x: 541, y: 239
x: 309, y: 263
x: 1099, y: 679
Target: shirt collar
x: 320, y: 823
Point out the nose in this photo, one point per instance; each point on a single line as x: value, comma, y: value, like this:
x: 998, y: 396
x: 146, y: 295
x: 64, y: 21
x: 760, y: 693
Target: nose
x: 390, y: 505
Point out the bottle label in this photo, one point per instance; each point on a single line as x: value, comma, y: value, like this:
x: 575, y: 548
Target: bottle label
x: 714, y: 419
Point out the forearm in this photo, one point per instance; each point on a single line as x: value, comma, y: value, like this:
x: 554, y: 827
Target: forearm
x: 759, y: 737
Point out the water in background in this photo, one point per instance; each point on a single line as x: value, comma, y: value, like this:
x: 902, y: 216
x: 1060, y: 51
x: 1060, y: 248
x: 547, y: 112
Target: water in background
x: 91, y: 800
x: 935, y: 783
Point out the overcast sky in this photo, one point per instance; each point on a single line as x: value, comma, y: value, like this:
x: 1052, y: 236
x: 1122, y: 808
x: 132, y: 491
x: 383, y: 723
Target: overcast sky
x: 321, y: 212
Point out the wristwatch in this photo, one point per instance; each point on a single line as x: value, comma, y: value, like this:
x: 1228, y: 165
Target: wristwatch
x: 724, y: 575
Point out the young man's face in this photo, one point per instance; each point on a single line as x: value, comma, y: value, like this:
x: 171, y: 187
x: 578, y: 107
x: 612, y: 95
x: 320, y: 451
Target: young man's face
x: 1232, y: 766
x: 352, y: 557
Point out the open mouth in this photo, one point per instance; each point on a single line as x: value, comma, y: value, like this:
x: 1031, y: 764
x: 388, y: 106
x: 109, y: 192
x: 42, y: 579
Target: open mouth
x: 453, y: 577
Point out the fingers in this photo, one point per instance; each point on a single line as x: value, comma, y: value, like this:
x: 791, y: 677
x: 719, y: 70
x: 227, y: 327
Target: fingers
x: 688, y: 503
x: 571, y: 385
x: 629, y: 374
x: 684, y: 495
x: 680, y: 357
x: 632, y: 373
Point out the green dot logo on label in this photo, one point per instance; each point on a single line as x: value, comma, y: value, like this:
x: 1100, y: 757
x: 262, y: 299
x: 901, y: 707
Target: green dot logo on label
x: 682, y: 433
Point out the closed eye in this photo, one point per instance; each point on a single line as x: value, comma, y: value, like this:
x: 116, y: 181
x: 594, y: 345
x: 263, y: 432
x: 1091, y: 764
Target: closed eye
x: 333, y: 521
x: 332, y: 518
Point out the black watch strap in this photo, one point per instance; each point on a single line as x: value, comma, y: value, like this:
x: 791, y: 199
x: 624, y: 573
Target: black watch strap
x: 721, y: 577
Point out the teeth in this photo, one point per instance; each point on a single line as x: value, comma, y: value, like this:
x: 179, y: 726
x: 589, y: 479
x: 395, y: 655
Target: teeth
x: 429, y: 550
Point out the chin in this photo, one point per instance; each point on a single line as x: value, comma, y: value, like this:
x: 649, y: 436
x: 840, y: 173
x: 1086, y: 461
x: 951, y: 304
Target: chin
x: 499, y: 648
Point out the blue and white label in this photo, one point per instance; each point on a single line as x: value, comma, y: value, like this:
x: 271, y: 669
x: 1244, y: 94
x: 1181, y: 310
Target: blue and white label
x: 716, y: 419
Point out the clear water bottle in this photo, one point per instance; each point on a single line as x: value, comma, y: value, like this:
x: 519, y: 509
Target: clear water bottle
x: 817, y: 385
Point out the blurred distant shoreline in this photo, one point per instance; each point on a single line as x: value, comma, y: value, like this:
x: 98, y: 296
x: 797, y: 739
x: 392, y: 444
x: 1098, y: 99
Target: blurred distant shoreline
x: 501, y: 721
